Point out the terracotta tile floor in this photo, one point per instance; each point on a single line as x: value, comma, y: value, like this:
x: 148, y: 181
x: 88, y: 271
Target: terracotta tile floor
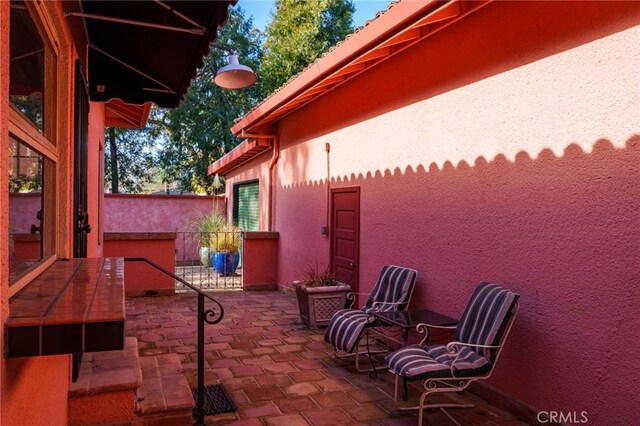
x: 277, y: 371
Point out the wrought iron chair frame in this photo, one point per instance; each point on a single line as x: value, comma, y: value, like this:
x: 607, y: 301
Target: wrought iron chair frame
x: 371, y: 332
x: 452, y: 384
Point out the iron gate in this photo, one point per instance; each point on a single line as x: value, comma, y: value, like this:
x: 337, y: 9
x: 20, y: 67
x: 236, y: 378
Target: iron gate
x: 208, y: 261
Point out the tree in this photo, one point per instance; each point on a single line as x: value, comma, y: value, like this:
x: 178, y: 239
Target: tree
x: 198, y: 130
x: 300, y: 32
x: 129, y: 158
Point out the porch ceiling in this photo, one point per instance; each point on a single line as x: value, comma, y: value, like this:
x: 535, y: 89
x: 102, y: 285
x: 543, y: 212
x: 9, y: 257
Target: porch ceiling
x: 145, y: 51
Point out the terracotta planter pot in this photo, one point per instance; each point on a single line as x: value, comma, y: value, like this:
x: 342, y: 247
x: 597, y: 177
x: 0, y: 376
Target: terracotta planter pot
x: 318, y: 304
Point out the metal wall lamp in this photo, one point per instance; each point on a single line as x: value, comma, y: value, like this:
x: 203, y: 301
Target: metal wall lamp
x: 235, y: 75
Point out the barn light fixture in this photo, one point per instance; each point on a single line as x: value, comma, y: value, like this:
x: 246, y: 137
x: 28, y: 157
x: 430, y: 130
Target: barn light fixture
x: 234, y: 75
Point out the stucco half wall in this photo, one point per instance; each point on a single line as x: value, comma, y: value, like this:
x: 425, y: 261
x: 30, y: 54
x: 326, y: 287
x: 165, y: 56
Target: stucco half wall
x: 504, y: 148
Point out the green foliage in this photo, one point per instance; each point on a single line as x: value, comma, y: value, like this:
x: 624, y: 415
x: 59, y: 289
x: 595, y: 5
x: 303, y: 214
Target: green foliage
x: 208, y: 225
x: 135, y: 158
x: 227, y: 241
x: 300, y: 32
x: 197, y: 131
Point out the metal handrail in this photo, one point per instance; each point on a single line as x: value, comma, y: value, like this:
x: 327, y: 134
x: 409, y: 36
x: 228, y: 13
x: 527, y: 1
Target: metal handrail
x: 209, y: 316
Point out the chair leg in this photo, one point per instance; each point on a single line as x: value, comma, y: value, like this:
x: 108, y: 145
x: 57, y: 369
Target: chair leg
x: 395, y: 390
x: 422, y: 406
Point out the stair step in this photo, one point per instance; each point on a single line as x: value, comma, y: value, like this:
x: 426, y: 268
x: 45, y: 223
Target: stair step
x: 165, y: 388
x: 110, y: 371
x: 105, y: 390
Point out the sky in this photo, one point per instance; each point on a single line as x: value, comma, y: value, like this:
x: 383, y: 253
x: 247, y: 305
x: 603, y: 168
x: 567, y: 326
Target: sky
x: 259, y: 9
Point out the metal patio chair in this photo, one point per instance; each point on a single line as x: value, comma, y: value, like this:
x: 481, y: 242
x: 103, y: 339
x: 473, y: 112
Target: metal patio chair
x: 392, y: 292
x: 479, y: 339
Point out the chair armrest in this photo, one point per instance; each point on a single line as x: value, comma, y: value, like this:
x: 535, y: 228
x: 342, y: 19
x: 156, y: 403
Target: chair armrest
x: 452, y: 346
x: 423, y: 328
x: 351, y: 296
x: 377, y: 305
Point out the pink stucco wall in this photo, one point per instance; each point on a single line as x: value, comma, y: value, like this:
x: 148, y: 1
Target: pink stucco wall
x: 129, y: 213
x: 156, y: 213
x: 505, y: 148
x: 140, y: 278
x: 260, y: 260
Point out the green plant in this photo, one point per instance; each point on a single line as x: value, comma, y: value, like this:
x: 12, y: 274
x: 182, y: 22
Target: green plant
x: 227, y: 241
x: 208, y: 226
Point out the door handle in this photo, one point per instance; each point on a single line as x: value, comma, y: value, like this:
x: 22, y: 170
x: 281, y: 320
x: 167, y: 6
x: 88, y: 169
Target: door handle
x: 353, y: 265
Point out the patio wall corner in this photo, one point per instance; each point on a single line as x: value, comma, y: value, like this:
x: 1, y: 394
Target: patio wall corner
x: 260, y: 261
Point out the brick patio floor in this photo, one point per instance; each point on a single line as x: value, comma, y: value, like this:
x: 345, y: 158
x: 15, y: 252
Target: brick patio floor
x: 276, y: 370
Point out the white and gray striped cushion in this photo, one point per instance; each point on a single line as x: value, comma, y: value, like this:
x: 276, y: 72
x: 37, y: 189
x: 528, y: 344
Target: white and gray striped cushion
x: 485, y: 317
x: 395, y: 284
x: 483, y: 322
x: 345, y: 328
x: 419, y: 362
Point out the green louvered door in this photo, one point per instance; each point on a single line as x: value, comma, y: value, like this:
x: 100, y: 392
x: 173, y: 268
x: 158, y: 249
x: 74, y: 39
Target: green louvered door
x: 246, y: 208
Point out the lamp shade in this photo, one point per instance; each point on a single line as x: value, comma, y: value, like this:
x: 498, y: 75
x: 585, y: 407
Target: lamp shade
x: 235, y: 75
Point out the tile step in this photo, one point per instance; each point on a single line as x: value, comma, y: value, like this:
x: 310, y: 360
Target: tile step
x: 164, y: 387
x: 110, y: 371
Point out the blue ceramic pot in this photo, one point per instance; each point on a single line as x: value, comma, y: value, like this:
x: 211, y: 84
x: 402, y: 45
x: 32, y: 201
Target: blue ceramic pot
x: 225, y: 263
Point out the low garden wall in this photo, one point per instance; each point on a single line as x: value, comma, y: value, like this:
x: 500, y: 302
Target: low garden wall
x: 141, y: 279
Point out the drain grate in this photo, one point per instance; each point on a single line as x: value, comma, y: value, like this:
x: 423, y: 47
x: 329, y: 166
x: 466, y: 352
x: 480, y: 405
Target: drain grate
x: 216, y: 400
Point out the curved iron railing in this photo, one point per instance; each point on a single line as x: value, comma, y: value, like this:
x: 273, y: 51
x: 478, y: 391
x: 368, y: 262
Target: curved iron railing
x: 209, y: 316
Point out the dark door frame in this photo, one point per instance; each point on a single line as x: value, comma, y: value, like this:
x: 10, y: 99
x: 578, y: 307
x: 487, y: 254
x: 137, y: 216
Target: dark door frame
x: 81, y: 147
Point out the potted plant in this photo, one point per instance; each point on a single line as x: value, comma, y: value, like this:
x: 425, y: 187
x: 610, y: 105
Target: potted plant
x: 206, y: 228
x: 225, y: 256
x: 319, y: 295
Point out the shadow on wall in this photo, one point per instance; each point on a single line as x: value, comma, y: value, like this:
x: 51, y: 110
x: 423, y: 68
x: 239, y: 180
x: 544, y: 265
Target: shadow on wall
x: 563, y: 232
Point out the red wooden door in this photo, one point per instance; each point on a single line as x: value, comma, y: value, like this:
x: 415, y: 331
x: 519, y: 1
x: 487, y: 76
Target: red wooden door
x: 345, y: 234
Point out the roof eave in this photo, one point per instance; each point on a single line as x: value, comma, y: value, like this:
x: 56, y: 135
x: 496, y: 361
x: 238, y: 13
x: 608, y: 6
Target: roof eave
x: 386, y: 24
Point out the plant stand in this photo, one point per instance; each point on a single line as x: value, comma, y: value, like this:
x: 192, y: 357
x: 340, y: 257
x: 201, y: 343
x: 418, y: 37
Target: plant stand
x: 318, y: 304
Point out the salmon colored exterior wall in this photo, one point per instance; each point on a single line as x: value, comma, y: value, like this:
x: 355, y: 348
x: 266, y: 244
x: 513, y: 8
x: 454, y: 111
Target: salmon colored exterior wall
x: 140, y: 277
x: 156, y: 213
x: 33, y: 390
x: 127, y: 212
x: 260, y: 260
x: 504, y: 148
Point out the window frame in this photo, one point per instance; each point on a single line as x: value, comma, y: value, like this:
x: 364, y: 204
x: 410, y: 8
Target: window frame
x: 45, y: 143
x: 235, y: 214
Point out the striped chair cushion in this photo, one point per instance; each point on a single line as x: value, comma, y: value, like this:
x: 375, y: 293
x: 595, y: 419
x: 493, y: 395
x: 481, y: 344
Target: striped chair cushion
x: 418, y: 362
x: 484, y: 320
x: 395, y: 285
x: 345, y: 328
